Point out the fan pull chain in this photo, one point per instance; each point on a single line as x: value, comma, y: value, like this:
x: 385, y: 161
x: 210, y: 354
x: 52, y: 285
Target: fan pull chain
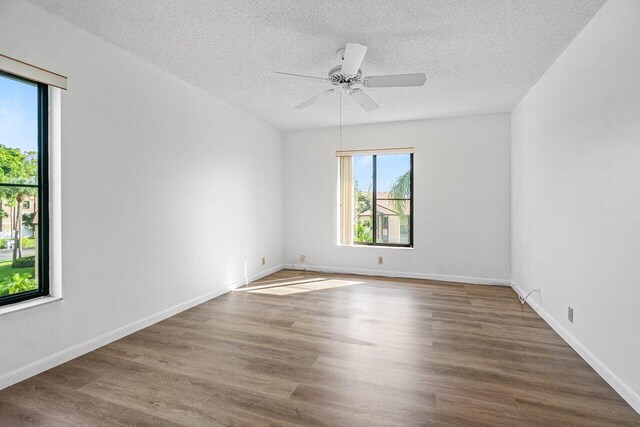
x: 340, y: 120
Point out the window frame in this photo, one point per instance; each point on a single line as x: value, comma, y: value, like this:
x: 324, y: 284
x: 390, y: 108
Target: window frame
x: 43, y: 195
x: 374, y: 209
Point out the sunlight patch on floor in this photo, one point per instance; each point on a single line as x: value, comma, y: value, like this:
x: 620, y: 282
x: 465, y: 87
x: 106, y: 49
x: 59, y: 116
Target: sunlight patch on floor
x: 281, y: 280
x: 302, y: 286
x: 251, y: 286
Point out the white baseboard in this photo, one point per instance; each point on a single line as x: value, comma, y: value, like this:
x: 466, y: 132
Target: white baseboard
x: 614, y: 381
x: 402, y: 274
x: 67, y: 354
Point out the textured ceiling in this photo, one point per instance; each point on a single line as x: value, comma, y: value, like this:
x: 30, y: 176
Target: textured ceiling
x: 480, y: 56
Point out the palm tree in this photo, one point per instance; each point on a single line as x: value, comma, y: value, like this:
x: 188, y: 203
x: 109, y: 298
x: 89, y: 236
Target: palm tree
x: 3, y: 214
x: 401, y: 189
x: 17, y: 167
x: 15, y: 197
x: 17, y: 247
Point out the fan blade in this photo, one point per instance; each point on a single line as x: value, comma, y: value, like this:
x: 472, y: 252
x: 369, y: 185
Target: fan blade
x: 363, y: 100
x: 300, y: 75
x: 353, y: 56
x: 396, y: 80
x: 313, y: 100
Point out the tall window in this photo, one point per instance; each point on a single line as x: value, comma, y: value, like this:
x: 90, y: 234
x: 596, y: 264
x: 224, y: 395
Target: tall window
x: 23, y: 189
x: 376, y: 199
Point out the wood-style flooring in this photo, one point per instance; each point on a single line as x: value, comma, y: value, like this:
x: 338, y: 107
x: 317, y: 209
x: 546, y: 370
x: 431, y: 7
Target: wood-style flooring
x: 303, y: 348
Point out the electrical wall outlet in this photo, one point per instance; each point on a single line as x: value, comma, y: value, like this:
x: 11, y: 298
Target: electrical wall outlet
x: 302, y: 258
x: 264, y: 260
x: 380, y: 260
x: 570, y: 314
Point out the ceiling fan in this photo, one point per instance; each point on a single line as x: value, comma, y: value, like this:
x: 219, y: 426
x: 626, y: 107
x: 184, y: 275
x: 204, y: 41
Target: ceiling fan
x: 347, y: 75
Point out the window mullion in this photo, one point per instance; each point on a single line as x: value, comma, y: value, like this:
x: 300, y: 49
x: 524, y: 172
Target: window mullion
x: 374, y: 203
x: 412, y: 211
x: 43, y: 189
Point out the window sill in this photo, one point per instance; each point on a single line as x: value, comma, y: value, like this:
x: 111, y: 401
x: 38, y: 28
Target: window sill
x: 24, y: 305
x: 376, y: 247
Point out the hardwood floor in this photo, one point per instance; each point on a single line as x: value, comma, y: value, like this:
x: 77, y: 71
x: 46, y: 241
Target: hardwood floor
x: 302, y: 348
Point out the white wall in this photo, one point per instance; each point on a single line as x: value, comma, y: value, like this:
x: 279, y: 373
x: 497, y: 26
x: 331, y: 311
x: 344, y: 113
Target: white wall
x: 166, y: 193
x: 462, y: 198
x: 576, y: 194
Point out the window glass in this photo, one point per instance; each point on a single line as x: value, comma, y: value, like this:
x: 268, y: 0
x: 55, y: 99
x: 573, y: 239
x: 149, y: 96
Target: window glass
x: 363, y: 199
x: 393, y: 176
x: 393, y: 221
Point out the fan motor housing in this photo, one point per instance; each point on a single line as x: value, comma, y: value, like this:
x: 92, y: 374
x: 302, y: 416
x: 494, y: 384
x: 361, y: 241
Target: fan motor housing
x: 336, y: 77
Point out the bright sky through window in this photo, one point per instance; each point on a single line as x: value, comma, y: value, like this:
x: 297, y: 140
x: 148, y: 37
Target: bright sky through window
x: 394, y: 166
x: 18, y: 115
